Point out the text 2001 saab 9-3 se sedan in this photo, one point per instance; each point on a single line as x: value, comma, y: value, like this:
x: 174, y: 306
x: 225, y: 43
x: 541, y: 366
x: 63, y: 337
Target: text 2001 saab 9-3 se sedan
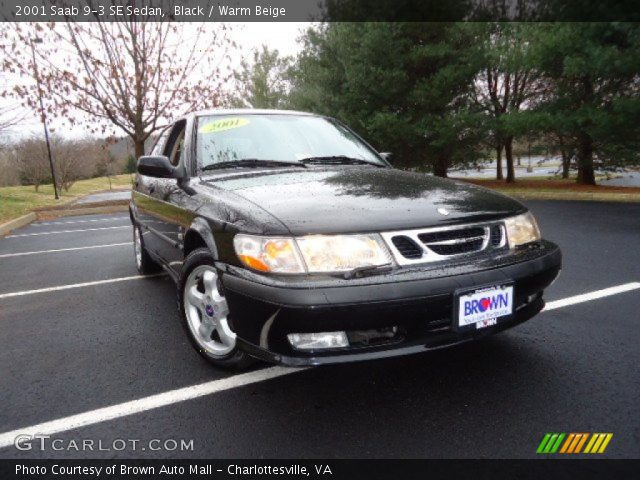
x: 293, y: 241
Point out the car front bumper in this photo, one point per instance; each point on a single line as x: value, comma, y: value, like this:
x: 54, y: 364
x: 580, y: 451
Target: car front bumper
x: 418, y: 302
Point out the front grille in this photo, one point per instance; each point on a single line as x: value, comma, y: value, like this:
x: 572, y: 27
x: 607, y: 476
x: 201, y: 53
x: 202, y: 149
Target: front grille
x: 497, y: 236
x: 407, y: 247
x: 436, y: 244
x: 457, y: 248
x: 447, y: 235
x: 455, y: 241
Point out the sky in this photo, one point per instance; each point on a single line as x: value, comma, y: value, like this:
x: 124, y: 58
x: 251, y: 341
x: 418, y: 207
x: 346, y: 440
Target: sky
x: 249, y: 36
x: 280, y: 35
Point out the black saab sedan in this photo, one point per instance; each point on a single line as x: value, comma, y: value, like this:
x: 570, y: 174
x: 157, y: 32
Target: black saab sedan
x: 292, y: 240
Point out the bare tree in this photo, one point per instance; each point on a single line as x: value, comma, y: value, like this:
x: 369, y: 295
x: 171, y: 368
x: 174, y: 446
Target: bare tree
x: 30, y: 160
x: 134, y: 75
x: 106, y: 166
x: 11, y: 113
x: 75, y: 159
x: 8, y: 171
x: 10, y: 116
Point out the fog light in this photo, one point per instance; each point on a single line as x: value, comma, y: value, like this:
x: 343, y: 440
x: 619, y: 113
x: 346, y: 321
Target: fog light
x: 317, y: 341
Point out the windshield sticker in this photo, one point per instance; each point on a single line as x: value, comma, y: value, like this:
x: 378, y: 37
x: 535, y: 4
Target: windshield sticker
x: 224, y: 124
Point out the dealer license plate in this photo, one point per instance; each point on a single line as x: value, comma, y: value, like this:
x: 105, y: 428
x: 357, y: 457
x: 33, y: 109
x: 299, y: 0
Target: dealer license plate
x: 482, y: 307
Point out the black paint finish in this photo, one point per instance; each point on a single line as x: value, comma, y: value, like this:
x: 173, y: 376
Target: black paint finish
x: 351, y: 199
x: 211, y: 207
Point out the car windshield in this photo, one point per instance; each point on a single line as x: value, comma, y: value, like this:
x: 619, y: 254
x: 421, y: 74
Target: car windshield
x: 277, y: 138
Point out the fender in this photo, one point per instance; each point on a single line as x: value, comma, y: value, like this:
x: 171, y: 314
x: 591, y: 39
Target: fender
x: 201, y: 227
x: 133, y: 212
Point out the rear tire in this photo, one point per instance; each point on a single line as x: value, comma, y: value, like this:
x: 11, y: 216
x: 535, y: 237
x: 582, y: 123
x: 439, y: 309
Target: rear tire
x: 204, y: 312
x: 144, y: 263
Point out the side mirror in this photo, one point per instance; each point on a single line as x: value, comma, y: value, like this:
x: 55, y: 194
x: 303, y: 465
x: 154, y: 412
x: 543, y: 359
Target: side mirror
x: 156, y: 166
x: 386, y: 155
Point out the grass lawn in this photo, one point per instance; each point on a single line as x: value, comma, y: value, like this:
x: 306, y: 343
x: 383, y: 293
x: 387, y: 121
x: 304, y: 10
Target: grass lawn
x: 18, y: 201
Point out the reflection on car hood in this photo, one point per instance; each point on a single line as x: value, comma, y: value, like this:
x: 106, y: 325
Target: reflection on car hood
x: 349, y: 199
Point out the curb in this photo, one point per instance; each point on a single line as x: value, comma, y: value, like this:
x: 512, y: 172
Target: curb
x: 19, y: 222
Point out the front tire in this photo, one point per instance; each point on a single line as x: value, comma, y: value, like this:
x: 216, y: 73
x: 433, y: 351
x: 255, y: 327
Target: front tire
x: 144, y: 263
x: 205, y: 312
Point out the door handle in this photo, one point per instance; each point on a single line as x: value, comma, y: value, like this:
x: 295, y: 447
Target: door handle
x: 152, y: 188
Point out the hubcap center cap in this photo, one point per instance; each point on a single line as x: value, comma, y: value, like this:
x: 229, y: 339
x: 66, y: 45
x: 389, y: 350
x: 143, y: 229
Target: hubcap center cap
x: 209, y: 310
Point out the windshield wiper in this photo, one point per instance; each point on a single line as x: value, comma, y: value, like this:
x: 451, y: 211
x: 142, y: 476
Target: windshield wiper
x: 367, y: 270
x: 338, y: 160
x: 251, y: 163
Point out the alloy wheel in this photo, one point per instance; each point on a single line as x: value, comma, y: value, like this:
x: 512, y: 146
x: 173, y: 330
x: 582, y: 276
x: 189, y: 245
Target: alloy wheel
x: 137, y: 247
x: 207, y: 312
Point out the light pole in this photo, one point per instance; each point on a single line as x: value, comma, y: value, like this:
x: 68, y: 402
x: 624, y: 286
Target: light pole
x: 42, y: 114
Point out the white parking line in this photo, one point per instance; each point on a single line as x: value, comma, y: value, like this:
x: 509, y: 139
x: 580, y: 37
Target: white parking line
x: 587, y: 297
x: 65, y: 231
x: 147, y: 403
x: 21, y: 254
x: 110, y: 219
x: 195, y: 391
x: 77, y: 285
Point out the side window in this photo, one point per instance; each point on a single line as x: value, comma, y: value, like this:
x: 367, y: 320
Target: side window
x: 179, y: 150
x: 174, y: 148
x: 162, y: 139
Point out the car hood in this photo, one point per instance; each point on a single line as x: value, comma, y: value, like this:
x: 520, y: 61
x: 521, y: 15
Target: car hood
x: 348, y: 199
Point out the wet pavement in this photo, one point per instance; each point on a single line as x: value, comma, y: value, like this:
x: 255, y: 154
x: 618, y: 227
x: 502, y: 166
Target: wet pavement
x: 81, y: 331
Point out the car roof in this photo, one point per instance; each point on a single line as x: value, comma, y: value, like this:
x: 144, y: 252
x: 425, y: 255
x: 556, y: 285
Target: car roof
x: 248, y: 111
x: 239, y: 111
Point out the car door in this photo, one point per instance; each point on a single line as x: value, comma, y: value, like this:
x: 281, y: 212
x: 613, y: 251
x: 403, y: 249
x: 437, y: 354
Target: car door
x: 172, y: 205
x: 143, y: 190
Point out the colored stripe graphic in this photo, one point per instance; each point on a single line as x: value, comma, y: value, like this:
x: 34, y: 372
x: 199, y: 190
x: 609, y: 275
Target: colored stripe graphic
x: 550, y: 443
x: 605, y: 443
x: 574, y: 443
x: 598, y: 443
x: 555, y: 447
x: 594, y: 437
x: 567, y: 443
x: 543, y: 443
x: 583, y: 439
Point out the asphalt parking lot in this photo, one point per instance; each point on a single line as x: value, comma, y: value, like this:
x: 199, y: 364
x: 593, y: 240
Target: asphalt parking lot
x: 81, y: 332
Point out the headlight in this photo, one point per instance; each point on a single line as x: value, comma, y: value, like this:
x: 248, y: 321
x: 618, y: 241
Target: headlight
x: 341, y: 253
x: 311, y: 254
x: 522, y: 229
x: 267, y: 254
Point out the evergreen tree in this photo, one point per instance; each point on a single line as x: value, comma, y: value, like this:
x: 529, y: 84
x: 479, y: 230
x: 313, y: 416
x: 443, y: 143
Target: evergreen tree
x: 593, y: 103
x: 262, y: 81
x: 130, y: 165
x: 404, y: 86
